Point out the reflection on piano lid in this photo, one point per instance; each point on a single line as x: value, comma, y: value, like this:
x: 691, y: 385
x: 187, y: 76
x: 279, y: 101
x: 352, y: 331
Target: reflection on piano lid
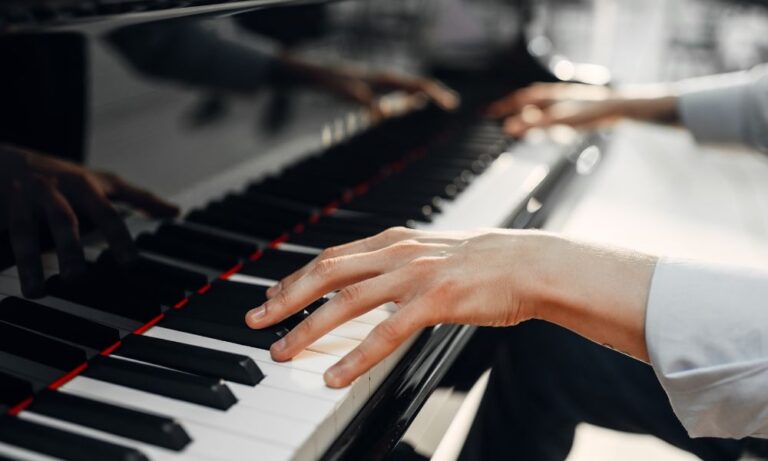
x: 153, y: 360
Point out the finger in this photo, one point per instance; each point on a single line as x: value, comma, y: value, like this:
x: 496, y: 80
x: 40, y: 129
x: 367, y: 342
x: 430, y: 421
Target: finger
x: 382, y: 341
x: 63, y: 224
x: 142, y: 199
x: 352, y: 301
x: 23, y: 232
x: 591, y: 115
x: 329, y: 275
x: 373, y: 243
x: 88, y: 196
x: 444, y: 97
x: 540, y: 95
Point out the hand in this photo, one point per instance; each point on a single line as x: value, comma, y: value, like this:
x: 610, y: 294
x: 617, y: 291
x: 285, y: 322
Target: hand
x: 580, y: 106
x: 35, y: 186
x: 491, y: 278
x: 361, y: 85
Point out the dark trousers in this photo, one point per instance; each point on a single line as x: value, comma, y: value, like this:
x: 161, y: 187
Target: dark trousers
x: 545, y: 380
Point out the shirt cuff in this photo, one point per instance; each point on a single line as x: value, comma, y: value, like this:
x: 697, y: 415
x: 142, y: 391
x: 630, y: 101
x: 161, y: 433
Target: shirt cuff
x: 707, y: 336
x: 717, y: 113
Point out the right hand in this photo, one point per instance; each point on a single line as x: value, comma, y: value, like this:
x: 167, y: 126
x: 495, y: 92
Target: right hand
x: 34, y: 186
x: 580, y: 106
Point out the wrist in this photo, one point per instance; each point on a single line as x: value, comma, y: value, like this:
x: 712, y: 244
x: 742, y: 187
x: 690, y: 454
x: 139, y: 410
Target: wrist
x: 597, y: 292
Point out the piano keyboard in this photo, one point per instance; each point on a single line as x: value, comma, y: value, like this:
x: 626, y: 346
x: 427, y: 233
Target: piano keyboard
x: 154, y: 361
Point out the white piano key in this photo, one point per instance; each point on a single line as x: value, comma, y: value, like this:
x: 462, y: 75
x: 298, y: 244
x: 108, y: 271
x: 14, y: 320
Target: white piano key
x: 336, y: 346
x: 238, y: 420
x: 375, y: 316
x: 207, y: 444
x: 353, y: 330
x: 284, y: 375
x: 22, y: 454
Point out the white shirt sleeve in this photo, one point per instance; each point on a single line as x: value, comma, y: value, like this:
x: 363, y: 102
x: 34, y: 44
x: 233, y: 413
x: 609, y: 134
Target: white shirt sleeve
x: 707, y: 335
x: 728, y: 108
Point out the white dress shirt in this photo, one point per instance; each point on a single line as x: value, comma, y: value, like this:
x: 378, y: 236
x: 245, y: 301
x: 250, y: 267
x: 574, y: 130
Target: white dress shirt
x: 707, y: 326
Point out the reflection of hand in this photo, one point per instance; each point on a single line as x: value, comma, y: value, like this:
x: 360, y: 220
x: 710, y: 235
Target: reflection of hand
x: 36, y: 186
x: 579, y: 106
x: 361, y: 86
x: 496, y: 278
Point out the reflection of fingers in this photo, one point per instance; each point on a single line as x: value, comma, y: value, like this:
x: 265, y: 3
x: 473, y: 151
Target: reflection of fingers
x: 22, y: 227
x: 64, y: 227
x: 352, y: 301
x: 142, y: 199
x: 382, y: 341
x: 373, y: 243
x: 98, y: 207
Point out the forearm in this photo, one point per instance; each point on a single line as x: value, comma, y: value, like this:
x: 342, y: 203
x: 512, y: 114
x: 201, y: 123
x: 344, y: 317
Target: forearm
x: 599, y: 293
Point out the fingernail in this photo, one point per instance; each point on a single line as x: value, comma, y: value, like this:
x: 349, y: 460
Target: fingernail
x: 332, y: 376
x: 278, y: 346
x: 258, y: 313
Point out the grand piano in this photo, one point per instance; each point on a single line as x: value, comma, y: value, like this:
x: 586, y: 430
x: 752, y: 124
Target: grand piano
x: 211, y: 104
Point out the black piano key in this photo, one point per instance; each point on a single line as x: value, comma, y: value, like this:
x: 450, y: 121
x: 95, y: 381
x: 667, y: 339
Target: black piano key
x: 276, y: 264
x: 13, y: 390
x: 219, y: 218
x: 150, y: 269
x: 58, y: 324
x: 192, y: 359
x: 37, y: 348
x: 125, y: 422
x: 422, y: 213
x: 201, y: 390
x: 176, y: 248
x: 61, y: 444
x: 200, y: 237
x: 259, y: 208
x: 97, y: 292
x: 320, y: 239
x: 261, y: 339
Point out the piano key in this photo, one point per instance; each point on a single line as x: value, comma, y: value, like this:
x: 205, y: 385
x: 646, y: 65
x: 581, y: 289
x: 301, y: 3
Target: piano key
x: 226, y: 220
x: 261, y: 339
x: 201, y: 390
x: 192, y: 359
x: 275, y: 264
x: 62, y: 444
x: 58, y: 324
x: 200, y: 237
x: 173, y: 247
x: 303, y: 375
x: 40, y: 349
x: 14, y: 390
x: 96, y: 292
x: 207, y: 443
x: 11, y: 453
x: 320, y: 239
x: 353, y: 329
x: 9, y: 286
x: 152, y: 269
x: 28, y: 370
x: 239, y: 420
x: 137, y: 425
x: 253, y: 206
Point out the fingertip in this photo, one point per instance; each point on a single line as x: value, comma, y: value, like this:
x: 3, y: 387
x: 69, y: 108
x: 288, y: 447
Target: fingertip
x: 333, y: 378
x: 255, y: 316
x: 278, y: 351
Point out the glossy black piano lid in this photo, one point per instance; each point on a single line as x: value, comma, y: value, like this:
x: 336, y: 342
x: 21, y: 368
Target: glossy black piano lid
x: 167, y: 101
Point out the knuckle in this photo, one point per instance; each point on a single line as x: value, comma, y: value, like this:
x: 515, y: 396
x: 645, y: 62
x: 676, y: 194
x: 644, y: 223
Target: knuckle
x: 388, y: 332
x: 325, y: 267
x: 282, y: 298
x: 328, y: 253
x: 350, y: 294
x: 306, y: 327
